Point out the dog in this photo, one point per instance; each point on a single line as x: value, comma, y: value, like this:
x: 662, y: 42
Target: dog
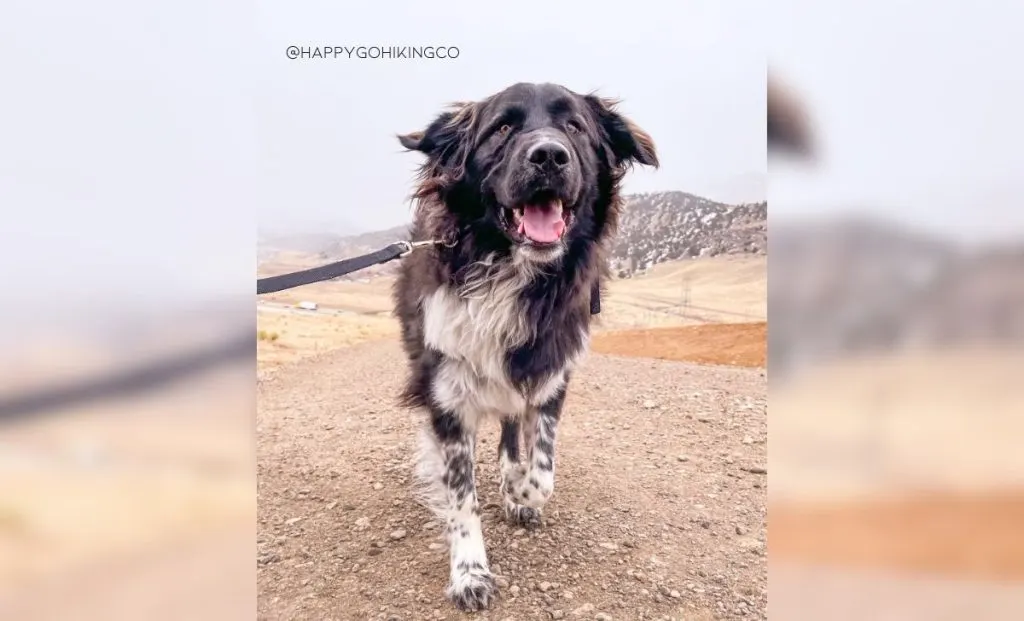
x: 521, y: 193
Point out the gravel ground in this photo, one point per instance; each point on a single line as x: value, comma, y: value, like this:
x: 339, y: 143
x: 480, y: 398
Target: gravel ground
x: 658, y: 513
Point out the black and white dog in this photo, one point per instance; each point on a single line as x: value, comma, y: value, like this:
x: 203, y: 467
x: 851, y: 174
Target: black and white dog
x: 522, y: 189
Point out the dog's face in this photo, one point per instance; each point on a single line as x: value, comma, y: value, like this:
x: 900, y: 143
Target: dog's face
x: 526, y: 165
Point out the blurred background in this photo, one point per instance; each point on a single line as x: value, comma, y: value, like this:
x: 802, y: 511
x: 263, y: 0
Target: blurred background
x: 127, y: 477
x: 896, y: 305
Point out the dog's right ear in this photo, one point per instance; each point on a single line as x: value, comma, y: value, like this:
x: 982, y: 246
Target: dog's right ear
x: 444, y: 135
x: 788, y: 126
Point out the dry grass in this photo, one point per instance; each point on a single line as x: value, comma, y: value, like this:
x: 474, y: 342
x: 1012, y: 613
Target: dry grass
x: 294, y: 336
x: 727, y: 289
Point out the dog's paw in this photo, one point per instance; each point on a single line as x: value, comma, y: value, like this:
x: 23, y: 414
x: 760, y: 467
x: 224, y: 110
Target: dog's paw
x: 533, y: 491
x: 520, y: 515
x: 473, y: 589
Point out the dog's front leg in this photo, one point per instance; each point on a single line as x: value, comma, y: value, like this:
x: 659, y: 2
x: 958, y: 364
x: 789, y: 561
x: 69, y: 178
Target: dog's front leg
x: 526, y: 487
x: 513, y: 470
x: 448, y: 460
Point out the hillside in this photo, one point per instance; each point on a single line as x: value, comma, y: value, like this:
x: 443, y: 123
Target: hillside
x: 654, y: 228
x: 662, y: 226
x: 856, y: 286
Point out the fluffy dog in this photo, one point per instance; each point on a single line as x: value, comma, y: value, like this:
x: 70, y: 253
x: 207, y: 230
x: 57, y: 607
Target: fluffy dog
x: 522, y: 191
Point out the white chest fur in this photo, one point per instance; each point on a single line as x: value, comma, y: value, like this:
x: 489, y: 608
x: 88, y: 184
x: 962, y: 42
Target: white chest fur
x: 475, y: 328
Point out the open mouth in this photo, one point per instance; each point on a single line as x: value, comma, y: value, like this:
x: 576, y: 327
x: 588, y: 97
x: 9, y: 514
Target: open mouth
x: 542, y: 220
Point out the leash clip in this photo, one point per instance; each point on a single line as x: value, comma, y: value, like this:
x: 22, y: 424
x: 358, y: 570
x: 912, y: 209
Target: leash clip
x: 413, y: 245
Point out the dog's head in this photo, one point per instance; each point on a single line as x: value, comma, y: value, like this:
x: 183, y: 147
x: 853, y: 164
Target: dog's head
x: 530, y: 169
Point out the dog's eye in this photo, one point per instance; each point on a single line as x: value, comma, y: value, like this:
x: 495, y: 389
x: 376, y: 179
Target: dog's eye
x: 574, y: 127
x: 504, y: 130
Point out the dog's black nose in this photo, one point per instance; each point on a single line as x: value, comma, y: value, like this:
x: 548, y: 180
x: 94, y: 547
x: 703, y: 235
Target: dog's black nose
x: 550, y: 155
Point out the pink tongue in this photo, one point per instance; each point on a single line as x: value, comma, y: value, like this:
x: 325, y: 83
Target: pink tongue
x: 542, y: 223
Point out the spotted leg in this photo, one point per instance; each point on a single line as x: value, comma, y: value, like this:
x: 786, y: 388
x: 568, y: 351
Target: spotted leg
x: 512, y: 470
x: 446, y: 467
x: 526, y: 487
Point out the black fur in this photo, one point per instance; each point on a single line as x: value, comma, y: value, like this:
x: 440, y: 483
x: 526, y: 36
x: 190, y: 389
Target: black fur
x: 457, y: 202
x: 488, y: 163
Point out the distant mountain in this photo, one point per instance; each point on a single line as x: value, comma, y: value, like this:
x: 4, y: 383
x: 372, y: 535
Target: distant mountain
x: 663, y: 226
x: 312, y: 243
x: 846, y: 286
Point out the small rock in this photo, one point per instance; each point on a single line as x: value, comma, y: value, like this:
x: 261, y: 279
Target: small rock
x: 751, y: 545
x: 363, y: 522
x: 332, y: 505
x: 683, y: 458
x: 756, y: 470
x: 607, y: 545
x: 514, y: 590
x: 378, y: 486
x: 740, y: 530
x: 292, y: 521
x: 650, y: 405
x: 398, y: 534
x: 584, y: 609
x: 436, y: 546
x: 501, y: 581
x: 748, y: 440
x: 557, y: 614
x: 602, y: 617
x: 268, y: 558
x: 568, y: 595
x: 674, y: 594
x: 544, y: 587
x: 519, y: 532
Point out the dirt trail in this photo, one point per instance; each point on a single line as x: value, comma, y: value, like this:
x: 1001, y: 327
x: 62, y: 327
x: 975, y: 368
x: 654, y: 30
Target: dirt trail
x: 658, y: 512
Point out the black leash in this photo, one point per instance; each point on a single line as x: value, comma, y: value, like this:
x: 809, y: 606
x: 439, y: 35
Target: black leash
x: 272, y: 284
x: 124, y: 383
x: 396, y: 250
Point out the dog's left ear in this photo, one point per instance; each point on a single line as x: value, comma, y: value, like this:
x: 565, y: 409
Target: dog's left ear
x: 443, y: 134
x: 628, y: 143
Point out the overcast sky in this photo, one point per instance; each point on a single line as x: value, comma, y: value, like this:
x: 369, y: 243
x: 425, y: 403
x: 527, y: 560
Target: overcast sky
x: 691, y: 74
x: 919, y: 110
